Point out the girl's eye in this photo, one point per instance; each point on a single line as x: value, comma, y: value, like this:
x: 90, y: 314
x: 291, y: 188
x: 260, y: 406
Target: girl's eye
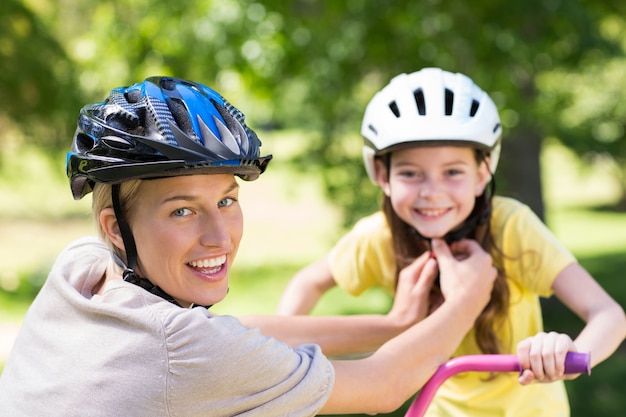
x: 454, y: 171
x: 181, y: 212
x: 226, y: 202
x: 407, y: 173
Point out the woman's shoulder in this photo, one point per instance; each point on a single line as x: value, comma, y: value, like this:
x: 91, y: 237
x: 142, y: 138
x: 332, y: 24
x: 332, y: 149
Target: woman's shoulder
x: 83, y: 252
x: 86, y: 244
x: 81, y: 263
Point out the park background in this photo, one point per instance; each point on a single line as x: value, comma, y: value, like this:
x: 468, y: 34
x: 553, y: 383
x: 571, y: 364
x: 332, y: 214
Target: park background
x: 303, y: 71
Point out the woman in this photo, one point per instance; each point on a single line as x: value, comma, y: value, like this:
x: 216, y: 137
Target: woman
x: 122, y: 327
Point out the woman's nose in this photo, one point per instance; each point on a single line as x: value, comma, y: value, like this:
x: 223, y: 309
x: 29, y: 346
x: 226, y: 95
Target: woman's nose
x: 214, y: 231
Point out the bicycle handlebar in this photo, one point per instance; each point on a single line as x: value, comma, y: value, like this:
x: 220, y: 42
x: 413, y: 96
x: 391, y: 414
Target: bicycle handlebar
x: 575, y: 363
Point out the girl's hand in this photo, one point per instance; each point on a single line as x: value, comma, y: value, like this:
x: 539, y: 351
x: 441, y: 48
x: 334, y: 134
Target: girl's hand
x: 542, y: 357
x: 410, y: 303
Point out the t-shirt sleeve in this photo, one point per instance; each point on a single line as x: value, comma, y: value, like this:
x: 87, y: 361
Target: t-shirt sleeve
x: 219, y: 367
x: 532, y: 255
x: 364, y: 258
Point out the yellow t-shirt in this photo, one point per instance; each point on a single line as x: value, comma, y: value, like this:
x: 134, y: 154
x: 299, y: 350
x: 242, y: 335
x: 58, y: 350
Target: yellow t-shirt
x: 533, y: 258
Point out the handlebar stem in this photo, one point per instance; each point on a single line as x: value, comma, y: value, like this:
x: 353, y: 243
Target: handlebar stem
x: 575, y: 363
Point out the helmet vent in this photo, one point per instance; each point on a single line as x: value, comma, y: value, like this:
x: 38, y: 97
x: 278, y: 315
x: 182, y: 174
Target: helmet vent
x: 116, y: 143
x: 419, y: 101
x: 180, y: 115
x: 449, y: 99
x: 134, y: 96
x: 394, y: 108
x: 83, y: 143
x: 474, y: 108
x: 168, y: 83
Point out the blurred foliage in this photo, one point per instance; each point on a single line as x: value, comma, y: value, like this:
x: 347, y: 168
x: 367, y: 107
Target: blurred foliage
x: 553, y: 67
x: 38, y: 97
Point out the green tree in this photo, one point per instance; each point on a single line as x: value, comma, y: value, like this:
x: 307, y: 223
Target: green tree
x: 313, y: 65
x: 592, y: 103
x: 340, y: 54
x: 37, y: 80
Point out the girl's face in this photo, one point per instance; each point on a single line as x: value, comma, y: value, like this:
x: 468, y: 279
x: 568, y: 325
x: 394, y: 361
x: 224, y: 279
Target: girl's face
x: 433, y: 188
x: 187, y: 231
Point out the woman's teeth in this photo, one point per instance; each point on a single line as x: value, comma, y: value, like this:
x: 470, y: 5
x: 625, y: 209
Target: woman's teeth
x: 209, y: 262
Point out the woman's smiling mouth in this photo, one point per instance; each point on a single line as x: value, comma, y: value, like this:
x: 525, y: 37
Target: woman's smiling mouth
x: 209, y: 265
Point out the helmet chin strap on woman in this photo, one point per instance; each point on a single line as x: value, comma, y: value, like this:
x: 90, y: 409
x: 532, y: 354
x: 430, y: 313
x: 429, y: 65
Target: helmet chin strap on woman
x: 131, y: 251
x: 127, y: 236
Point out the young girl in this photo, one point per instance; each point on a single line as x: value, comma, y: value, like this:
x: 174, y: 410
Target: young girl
x: 432, y: 143
x: 121, y: 326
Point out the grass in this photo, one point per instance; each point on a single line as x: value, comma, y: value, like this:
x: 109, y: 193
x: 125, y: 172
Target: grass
x: 38, y: 219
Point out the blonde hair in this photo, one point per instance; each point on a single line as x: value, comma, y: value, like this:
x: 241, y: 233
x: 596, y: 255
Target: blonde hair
x: 102, y: 199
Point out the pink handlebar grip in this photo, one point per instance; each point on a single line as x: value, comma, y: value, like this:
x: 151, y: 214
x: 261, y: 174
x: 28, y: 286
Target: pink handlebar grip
x: 575, y: 363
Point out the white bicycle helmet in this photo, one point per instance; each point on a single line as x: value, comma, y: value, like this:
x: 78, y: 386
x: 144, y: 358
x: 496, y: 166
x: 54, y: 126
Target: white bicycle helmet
x: 430, y: 105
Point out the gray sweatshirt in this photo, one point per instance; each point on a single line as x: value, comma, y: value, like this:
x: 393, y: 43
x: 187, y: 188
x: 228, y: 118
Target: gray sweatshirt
x: 130, y: 353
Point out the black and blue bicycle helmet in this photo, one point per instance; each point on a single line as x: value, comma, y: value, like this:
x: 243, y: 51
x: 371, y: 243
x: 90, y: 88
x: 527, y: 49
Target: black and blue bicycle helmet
x: 161, y: 127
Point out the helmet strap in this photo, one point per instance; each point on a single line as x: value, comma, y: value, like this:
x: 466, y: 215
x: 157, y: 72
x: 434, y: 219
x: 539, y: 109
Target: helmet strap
x: 480, y: 215
x: 131, y: 252
x: 127, y: 236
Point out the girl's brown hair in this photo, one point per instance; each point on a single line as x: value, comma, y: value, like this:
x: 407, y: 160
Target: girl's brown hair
x: 408, y: 245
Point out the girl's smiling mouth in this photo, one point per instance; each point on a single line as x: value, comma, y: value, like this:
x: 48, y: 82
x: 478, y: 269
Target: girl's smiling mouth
x: 431, y: 212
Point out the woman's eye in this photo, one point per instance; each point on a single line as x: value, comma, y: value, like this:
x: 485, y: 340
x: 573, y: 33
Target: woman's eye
x: 181, y: 212
x: 226, y: 202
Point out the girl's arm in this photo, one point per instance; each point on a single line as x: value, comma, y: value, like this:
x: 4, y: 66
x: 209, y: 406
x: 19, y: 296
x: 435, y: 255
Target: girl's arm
x: 340, y: 335
x: 306, y: 288
x: 385, y: 380
x: 604, y: 331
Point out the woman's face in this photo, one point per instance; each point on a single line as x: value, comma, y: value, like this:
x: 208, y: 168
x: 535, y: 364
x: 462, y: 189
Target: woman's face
x: 433, y: 188
x: 187, y: 230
